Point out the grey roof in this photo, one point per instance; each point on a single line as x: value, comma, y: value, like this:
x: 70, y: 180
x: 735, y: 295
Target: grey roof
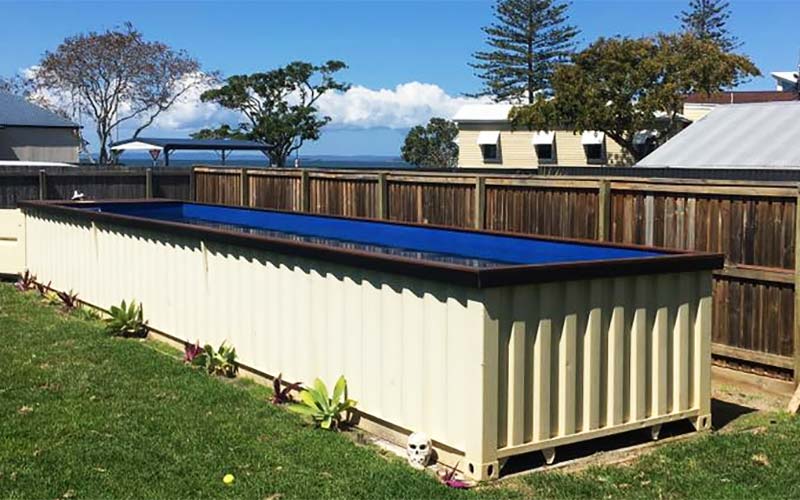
x: 15, y: 111
x: 196, y: 144
x: 763, y: 135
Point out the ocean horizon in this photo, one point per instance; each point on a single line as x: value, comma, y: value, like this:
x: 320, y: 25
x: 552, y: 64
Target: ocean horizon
x: 249, y: 160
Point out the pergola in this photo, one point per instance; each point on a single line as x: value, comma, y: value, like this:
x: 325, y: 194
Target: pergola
x: 167, y: 146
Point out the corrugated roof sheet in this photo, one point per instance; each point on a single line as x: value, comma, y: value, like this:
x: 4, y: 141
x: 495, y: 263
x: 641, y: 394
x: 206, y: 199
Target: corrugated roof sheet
x: 181, y: 143
x: 483, y: 113
x: 15, y: 111
x: 763, y: 135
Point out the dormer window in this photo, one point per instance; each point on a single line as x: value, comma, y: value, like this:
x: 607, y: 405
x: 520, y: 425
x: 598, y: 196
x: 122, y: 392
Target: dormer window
x: 489, y: 142
x: 594, y: 146
x: 545, y: 146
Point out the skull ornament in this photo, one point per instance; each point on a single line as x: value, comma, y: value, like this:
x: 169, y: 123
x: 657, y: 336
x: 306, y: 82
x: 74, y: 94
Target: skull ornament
x: 418, y: 450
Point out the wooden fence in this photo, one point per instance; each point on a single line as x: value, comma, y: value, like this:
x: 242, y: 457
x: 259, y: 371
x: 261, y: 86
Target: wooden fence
x: 754, y: 223
x: 60, y: 184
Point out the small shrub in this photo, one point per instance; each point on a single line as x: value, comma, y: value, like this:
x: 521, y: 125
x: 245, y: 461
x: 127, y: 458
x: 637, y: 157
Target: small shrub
x: 69, y: 300
x: 51, y: 298
x: 449, y: 478
x: 86, y: 313
x: 221, y: 362
x: 26, y: 282
x: 42, y: 290
x: 282, y: 393
x: 326, y: 411
x: 191, y: 351
x: 126, y: 320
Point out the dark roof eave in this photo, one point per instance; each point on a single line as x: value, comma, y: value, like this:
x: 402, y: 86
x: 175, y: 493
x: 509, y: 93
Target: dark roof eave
x: 16, y: 125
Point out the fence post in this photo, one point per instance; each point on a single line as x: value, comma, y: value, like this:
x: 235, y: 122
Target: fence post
x: 192, y: 185
x: 480, y: 202
x: 42, y: 184
x: 381, y: 210
x: 796, y: 325
x: 604, y: 210
x: 148, y: 183
x: 244, y: 188
x: 304, y: 191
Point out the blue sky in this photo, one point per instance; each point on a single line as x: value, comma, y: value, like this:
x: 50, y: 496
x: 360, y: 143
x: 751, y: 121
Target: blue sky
x: 386, y: 44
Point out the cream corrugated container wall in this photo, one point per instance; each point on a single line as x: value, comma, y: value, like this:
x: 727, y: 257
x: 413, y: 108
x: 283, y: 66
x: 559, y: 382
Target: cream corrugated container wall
x: 517, y: 151
x: 489, y: 373
x: 12, y: 241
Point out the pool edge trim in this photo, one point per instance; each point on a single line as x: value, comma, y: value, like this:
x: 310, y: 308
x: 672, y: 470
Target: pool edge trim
x: 674, y: 260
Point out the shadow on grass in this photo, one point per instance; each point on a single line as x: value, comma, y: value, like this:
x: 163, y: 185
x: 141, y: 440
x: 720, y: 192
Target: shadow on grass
x: 722, y: 412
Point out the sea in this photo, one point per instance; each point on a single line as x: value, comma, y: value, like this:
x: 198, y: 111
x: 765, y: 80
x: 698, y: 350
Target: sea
x: 187, y: 160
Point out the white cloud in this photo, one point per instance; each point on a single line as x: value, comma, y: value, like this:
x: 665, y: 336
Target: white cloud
x: 189, y: 114
x: 407, y: 105
x: 360, y: 108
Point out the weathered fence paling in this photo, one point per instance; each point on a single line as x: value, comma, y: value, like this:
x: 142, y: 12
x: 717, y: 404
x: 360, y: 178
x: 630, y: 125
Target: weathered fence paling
x: 94, y: 183
x: 754, y: 223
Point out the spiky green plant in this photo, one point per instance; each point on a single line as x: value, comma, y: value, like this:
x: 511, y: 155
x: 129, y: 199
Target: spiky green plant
x: 221, y: 362
x: 126, y: 320
x: 326, y: 411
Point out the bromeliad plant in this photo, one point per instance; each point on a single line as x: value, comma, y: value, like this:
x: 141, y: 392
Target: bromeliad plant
x: 450, y: 478
x: 325, y: 410
x: 69, y: 300
x: 26, y: 282
x: 126, y: 320
x: 42, y: 290
x: 221, y: 362
x: 282, y: 392
x: 191, y: 351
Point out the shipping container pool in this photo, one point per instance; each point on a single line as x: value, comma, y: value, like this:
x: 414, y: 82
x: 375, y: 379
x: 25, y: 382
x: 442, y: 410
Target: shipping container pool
x: 493, y: 344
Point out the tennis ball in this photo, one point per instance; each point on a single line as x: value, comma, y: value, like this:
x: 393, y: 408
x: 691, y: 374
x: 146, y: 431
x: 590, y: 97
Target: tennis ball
x: 228, y: 479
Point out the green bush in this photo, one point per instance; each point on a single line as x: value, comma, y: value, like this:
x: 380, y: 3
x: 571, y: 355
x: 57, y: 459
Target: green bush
x: 324, y: 410
x: 221, y: 362
x: 126, y: 320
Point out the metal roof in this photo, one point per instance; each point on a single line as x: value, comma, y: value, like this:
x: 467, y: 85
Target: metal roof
x: 483, y: 113
x: 188, y: 144
x: 787, y: 76
x: 742, y: 97
x: 763, y: 135
x: 15, y: 111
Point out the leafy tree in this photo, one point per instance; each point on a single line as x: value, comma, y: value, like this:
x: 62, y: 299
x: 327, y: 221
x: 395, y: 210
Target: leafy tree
x: 15, y: 85
x: 279, y: 105
x: 118, y: 76
x: 527, y: 41
x: 707, y: 20
x: 223, y: 132
x: 623, y: 86
x: 433, y: 145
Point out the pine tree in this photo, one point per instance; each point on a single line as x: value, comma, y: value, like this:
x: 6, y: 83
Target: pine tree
x: 707, y: 20
x: 528, y: 40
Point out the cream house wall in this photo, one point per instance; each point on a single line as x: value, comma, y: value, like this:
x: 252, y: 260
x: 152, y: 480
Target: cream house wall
x: 516, y: 148
x: 694, y: 112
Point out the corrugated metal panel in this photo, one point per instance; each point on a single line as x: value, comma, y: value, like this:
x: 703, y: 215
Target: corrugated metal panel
x: 12, y: 242
x: 494, y: 372
x: 735, y: 136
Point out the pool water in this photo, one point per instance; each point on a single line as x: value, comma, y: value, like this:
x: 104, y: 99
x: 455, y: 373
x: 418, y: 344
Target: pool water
x: 464, y: 248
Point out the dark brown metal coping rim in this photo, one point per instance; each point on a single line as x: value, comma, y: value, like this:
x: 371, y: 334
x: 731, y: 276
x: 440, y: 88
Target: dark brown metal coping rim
x: 674, y: 261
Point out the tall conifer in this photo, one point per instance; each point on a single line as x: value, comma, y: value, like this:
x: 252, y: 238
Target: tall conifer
x: 527, y: 41
x: 708, y: 20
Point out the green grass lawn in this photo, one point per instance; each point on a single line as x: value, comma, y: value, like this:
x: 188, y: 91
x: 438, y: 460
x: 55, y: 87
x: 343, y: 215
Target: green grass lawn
x: 83, y: 415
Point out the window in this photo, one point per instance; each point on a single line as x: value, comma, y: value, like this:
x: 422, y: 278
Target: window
x: 545, y: 153
x: 594, y: 146
x: 489, y: 152
x: 594, y: 152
